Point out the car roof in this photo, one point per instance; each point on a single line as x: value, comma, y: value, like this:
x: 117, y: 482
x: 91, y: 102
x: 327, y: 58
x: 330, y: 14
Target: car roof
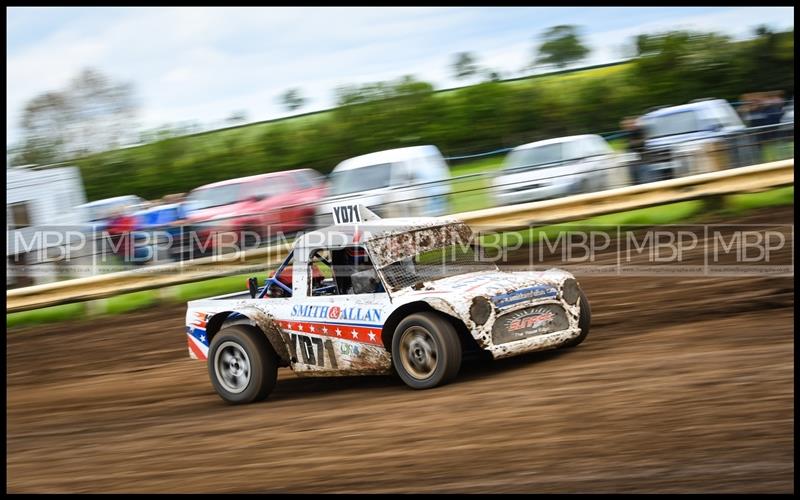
x: 106, y: 201
x: 557, y: 140
x: 250, y: 178
x: 157, y: 208
x: 692, y: 106
x: 388, y: 156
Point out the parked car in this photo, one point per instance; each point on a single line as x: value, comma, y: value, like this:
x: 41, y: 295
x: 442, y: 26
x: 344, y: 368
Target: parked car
x: 259, y: 206
x: 157, y: 232
x: 555, y: 168
x: 702, y: 136
x: 404, y: 182
x: 370, y: 296
x: 101, y: 212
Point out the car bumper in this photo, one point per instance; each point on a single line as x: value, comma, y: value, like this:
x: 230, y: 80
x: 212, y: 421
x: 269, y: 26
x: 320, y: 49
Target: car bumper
x: 533, y: 344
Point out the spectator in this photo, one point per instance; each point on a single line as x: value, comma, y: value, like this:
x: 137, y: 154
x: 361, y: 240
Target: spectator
x: 635, y: 136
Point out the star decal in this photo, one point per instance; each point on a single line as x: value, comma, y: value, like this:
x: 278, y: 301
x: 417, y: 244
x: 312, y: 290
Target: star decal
x: 202, y: 338
x: 355, y: 333
x: 311, y: 328
x: 338, y: 333
x: 371, y: 336
x: 300, y: 327
x: 324, y: 330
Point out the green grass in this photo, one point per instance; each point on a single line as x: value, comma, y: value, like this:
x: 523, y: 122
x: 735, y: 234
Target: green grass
x: 572, y: 75
x: 779, y: 150
x: 217, y: 286
x: 52, y: 314
x: 130, y: 302
x: 471, y: 194
x: 739, y: 203
x: 477, y: 166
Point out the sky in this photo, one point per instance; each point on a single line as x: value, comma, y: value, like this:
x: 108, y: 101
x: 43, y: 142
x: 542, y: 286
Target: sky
x: 203, y: 64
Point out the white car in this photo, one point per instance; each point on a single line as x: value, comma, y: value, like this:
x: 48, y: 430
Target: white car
x: 555, y: 168
x: 369, y: 295
x: 404, y: 182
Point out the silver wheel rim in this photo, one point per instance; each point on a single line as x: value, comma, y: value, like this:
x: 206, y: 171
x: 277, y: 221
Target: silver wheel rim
x: 418, y: 352
x: 232, y: 367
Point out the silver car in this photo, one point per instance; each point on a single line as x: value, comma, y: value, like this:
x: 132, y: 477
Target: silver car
x: 557, y: 167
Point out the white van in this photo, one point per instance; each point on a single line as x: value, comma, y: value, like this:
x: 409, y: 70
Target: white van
x: 404, y: 182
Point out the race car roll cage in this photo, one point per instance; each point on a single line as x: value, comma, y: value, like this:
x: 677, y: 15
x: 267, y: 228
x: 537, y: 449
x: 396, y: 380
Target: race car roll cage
x: 273, y: 280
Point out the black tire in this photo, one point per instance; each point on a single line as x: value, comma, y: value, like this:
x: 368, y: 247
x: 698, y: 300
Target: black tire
x: 584, y: 320
x: 254, y: 359
x: 429, y: 335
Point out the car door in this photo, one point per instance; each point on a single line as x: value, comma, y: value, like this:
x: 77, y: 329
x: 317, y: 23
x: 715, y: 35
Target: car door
x: 333, y: 329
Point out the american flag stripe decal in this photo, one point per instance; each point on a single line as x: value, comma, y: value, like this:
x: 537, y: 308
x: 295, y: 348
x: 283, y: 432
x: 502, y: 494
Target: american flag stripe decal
x: 343, y: 331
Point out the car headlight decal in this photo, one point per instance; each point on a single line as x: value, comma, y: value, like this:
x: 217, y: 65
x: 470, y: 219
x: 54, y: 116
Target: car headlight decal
x: 480, y: 310
x: 570, y: 291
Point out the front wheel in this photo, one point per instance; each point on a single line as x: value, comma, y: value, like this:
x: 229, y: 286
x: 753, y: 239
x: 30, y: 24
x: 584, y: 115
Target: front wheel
x: 242, y: 365
x: 426, y: 351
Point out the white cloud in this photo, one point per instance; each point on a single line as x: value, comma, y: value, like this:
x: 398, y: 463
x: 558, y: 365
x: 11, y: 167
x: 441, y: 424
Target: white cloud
x: 204, y: 63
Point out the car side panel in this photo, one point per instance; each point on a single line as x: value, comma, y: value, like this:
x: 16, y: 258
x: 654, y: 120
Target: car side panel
x: 332, y: 335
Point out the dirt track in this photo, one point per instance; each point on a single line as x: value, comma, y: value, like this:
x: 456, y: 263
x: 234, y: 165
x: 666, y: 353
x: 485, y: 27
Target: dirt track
x: 685, y: 384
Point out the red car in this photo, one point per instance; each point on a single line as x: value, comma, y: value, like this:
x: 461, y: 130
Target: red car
x: 259, y: 206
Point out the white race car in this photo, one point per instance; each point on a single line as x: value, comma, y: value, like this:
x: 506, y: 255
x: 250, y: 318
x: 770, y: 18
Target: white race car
x: 368, y: 295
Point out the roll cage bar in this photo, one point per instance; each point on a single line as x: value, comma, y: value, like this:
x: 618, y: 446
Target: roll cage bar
x: 274, y: 280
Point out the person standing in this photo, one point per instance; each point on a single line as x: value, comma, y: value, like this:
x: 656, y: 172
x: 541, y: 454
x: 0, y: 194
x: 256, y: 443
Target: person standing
x: 635, y: 135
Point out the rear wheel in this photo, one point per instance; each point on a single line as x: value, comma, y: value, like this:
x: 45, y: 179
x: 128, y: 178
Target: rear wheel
x: 584, y: 320
x: 426, y: 351
x: 242, y: 365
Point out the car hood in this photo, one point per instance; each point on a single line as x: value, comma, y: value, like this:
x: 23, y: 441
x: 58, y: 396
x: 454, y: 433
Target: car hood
x: 504, y: 289
x: 554, y: 173
x: 220, y: 212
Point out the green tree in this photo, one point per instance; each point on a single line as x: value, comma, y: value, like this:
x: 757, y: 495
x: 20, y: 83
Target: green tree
x: 292, y: 99
x: 464, y: 65
x: 561, y: 47
x: 91, y: 114
x: 767, y: 62
x: 678, y: 66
